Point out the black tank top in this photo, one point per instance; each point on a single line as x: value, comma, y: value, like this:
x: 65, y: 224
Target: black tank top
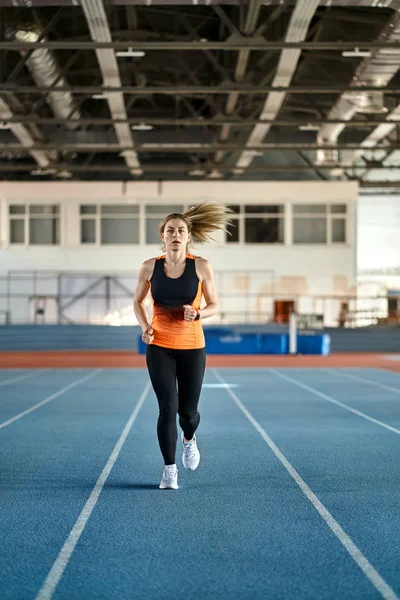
x: 174, y: 293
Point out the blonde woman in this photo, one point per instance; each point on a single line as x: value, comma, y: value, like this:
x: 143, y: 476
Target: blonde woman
x: 176, y: 354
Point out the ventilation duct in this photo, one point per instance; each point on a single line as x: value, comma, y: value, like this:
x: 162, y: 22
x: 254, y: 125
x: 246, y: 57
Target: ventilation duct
x: 45, y: 71
x: 377, y: 70
x: 22, y: 134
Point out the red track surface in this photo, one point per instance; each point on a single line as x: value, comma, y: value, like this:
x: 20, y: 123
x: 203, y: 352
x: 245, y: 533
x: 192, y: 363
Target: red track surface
x: 90, y: 359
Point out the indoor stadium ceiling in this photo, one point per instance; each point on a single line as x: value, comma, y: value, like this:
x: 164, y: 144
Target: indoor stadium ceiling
x: 206, y: 89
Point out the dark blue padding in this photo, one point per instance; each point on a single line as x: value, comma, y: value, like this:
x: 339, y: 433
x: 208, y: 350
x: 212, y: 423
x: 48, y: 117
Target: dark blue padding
x: 236, y: 343
x: 314, y: 343
x: 274, y: 343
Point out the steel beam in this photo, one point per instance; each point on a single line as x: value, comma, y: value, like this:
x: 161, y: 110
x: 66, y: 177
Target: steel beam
x: 184, y: 169
x: 233, y: 44
x: 191, y: 148
x: 194, y: 122
x: 225, y: 88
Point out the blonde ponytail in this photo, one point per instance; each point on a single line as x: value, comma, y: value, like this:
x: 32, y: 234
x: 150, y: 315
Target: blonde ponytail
x: 203, y: 219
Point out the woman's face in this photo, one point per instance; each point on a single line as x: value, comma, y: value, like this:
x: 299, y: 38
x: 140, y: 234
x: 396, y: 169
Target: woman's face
x: 176, y: 235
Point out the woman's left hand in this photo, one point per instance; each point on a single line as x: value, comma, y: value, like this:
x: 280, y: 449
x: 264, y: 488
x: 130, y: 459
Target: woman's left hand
x: 189, y: 313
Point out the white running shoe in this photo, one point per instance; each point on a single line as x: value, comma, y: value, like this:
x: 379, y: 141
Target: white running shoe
x: 169, y: 478
x: 191, y: 454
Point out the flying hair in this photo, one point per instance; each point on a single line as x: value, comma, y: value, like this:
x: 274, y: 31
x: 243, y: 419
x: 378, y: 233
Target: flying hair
x: 203, y: 219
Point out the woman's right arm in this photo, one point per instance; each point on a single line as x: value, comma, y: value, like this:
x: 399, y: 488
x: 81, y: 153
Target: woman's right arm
x: 142, y: 288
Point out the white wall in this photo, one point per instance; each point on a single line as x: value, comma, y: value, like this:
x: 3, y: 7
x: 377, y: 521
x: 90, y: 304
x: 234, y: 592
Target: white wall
x: 300, y: 269
x: 378, y: 232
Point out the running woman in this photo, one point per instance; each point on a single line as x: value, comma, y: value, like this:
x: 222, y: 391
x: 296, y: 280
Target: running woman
x: 176, y: 354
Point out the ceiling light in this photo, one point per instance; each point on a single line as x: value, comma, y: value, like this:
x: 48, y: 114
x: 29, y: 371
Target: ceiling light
x: 238, y: 171
x: 64, y: 174
x: 309, y: 127
x: 356, y: 53
x: 215, y: 174
x: 142, y: 127
x: 99, y: 97
x: 196, y: 172
x: 131, y: 53
x: 43, y: 172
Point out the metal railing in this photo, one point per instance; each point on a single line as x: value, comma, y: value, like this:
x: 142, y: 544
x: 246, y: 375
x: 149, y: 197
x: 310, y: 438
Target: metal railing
x: 245, y: 297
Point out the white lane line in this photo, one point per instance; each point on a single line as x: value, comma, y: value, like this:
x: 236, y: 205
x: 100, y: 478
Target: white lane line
x: 21, y: 377
x: 61, y: 563
x: 219, y: 385
x: 49, y: 398
x: 366, y: 380
x: 369, y: 571
x: 330, y: 399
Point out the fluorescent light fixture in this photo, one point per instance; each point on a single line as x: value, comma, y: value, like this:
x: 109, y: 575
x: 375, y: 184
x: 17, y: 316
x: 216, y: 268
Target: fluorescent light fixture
x: 215, y: 174
x: 238, y: 171
x: 131, y: 53
x: 43, y: 172
x: 309, y: 127
x: 64, y: 174
x: 196, y: 172
x: 356, y: 53
x: 142, y: 127
x: 99, y: 97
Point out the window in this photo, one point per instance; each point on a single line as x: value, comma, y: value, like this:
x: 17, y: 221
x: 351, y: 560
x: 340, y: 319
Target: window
x: 337, y: 225
x: 257, y: 224
x: 154, y: 214
x: 319, y: 223
x: 35, y: 224
x: 17, y: 220
x: 109, y: 224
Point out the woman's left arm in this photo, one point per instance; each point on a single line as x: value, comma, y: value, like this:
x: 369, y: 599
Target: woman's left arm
x: 210, y: 295
x: 205, y: 273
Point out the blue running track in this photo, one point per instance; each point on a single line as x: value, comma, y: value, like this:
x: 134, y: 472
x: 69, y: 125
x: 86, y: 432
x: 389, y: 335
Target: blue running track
x: 296, y: 495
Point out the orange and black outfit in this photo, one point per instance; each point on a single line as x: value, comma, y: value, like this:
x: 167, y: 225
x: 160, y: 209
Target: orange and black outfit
x: 176, y: 358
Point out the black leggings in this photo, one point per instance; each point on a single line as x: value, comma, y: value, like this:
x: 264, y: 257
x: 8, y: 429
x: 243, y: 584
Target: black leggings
x: 167, y: 368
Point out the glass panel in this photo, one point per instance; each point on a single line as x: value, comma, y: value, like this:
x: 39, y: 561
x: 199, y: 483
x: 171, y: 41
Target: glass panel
x: 235, y: 208
x: 17, y: 209
x: 233, y: 231
x: 44, y: 231
x: 338, y: 230
x: 163, y: 209
x: 88, y: 209
x: 309, y: 231
x: 152, y: 231
x: 119, y: 231
x: 17, y: 231
x: 88, y: 231
x: 312, y: 209
x: 119, y: 209
x: 338, y: 209
x: 264, y: 231
x: 264, y: 208
x: 44, y: 209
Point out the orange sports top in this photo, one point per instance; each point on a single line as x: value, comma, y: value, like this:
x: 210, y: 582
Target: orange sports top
x: 169, y: 295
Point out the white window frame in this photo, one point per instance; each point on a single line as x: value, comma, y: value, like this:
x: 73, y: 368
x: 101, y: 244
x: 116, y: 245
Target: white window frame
x: 329, y: 218
x: 26, y: 218
x: 98, y: 215
x: 242, y: 215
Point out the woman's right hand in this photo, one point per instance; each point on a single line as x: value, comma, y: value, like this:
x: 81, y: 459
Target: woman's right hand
x: 148, y: 335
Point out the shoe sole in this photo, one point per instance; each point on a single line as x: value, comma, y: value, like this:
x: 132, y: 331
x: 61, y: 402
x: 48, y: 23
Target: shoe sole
x: 168, y: 487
